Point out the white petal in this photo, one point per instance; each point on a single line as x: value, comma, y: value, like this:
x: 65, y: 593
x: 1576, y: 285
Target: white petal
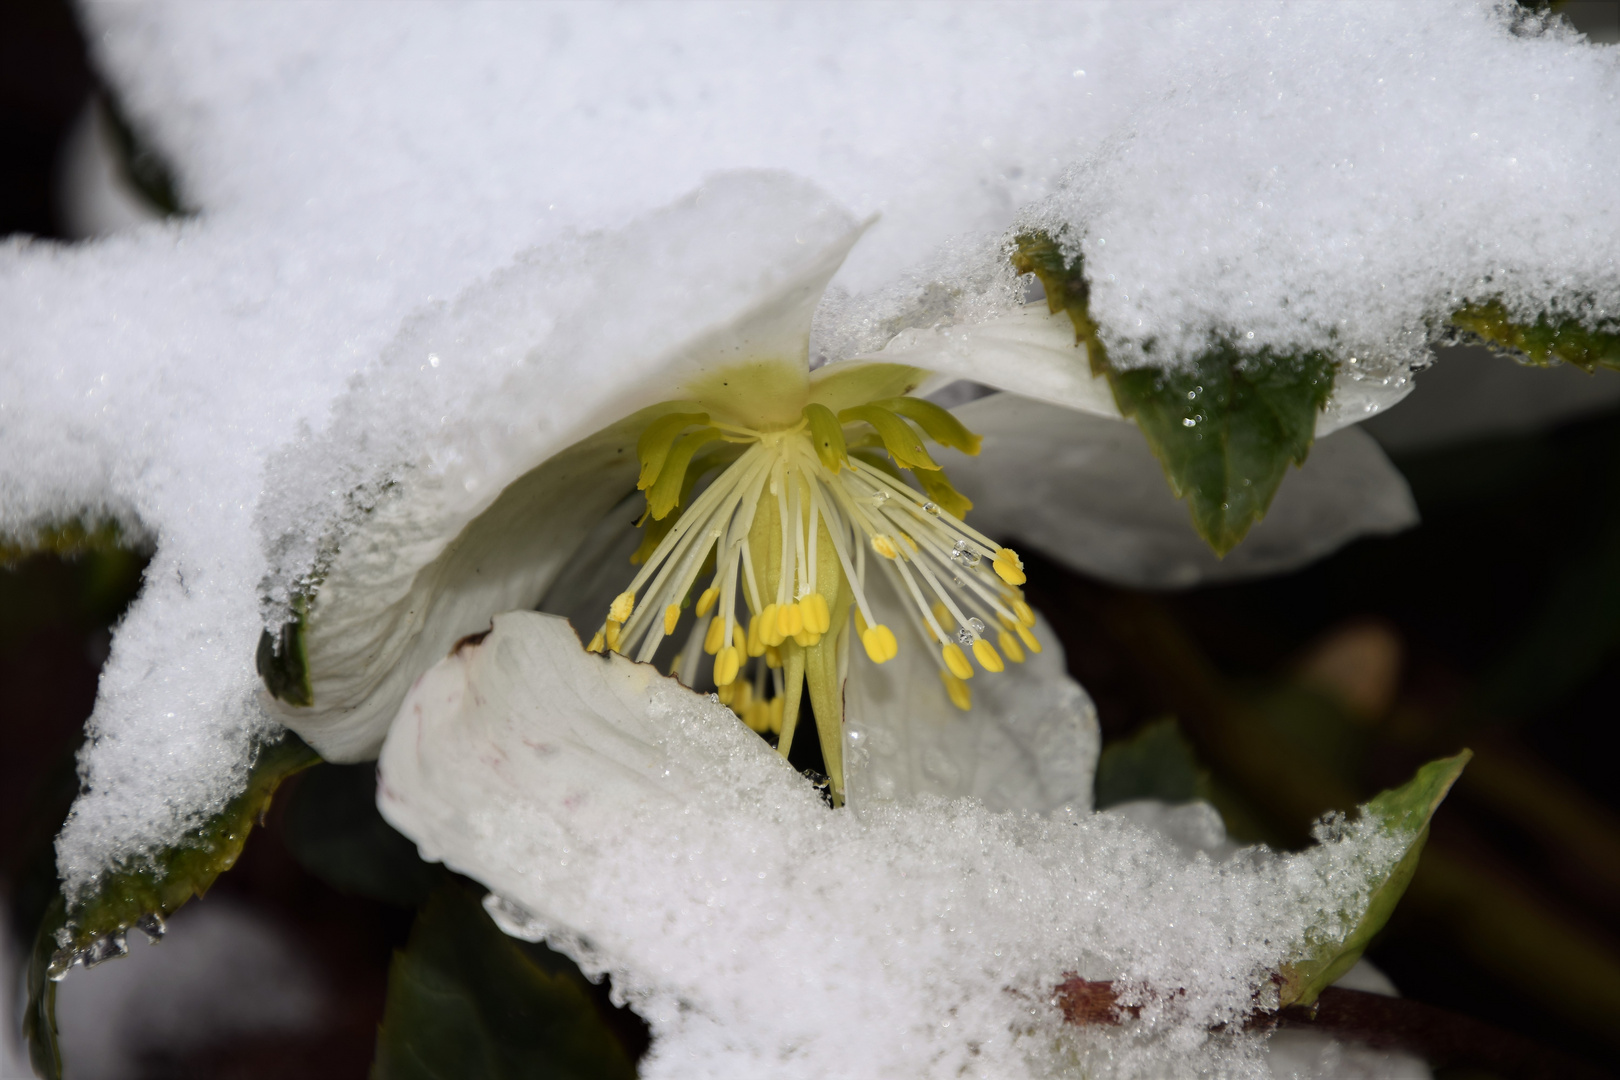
x: 1088, y: 492
x: 1028, y: 351
x: 477, y: 513
x: 1030, y: 742
x: 645, y: 831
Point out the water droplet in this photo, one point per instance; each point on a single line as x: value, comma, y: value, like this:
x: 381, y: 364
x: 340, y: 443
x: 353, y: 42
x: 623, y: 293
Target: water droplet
x: 958, y: 579
x: 1189, y: 422
x: 976, y: 625
x: 879, y: 498
x: 931, y: 508
x: 965, y: 636
x: 151, y: 924
x: 61, y: 963
x: 108, y: 947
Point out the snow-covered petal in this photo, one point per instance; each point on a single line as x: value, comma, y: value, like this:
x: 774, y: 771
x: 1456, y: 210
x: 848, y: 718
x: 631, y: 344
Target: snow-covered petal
x: 497, y: 474
x: 1088, y: 492
x: 641, y: 828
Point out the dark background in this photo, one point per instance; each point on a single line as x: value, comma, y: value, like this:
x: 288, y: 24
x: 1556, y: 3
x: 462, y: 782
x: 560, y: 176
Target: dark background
x: 1494, y: 625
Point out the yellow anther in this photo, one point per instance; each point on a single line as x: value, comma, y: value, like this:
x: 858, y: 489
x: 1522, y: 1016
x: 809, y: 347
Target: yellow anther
x: 597, y: 641
x: 623, y: 605
x: 1028, y: 639
x: 769, y: 630
x: 789, y: 620
x: 672, y: 615
x: 1025, y: 613
x: 742, y: 696
x: 881, y: 647
x: 776, y: 716
x: 961, y: 694
x: 943, y: 614
x: 756, y: 644
x: 860, y: 624
x: 610, y: 632
x: 817, y: 616
x: 706, y: 602
x: 739, y: 638
x: 714, y: 637
x: 773, y: 657
x: 726, y: 692
x: 884, y: 545
x: 906, y: 539
x: 957, y: 661
x: 758, y: 717
x: 1009, y: 645
x: 985, y: 653
x: 727, y: 662
x: 1009, y: 567
x: 806, y: 639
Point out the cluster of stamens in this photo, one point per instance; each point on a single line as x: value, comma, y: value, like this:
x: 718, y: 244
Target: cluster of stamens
x: 759, y: 532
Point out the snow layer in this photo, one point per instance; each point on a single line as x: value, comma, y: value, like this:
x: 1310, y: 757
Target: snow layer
x: 1361, y: 163
x: 641, y: 828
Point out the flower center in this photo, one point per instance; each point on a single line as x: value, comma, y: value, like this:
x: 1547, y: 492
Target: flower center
x: 782, y: 534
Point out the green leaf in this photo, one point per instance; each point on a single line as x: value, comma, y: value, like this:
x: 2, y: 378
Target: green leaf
x: 466, y: 1002
x: 1225, y: 428
x: 141, y: 893
x: 1155, y: 763
x: 1544, y: 342
x: 335, y: 832
x: 1404, y: 812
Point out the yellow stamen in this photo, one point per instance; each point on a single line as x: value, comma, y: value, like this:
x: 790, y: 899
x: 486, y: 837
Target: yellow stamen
x: 1028, y: 639
x: 985, y: 653
x: 1025, y: 613
x: 860, y: 624
x: 1009, y: 645
x: 769, y: 632
x: 881, y: 646
x: 1009, y: 567
x: 707, y: 601
x: 789, y: 620
x: 957, y: 661
x: 715, y: 637
x: 776, y: 715
x: 884, y: 545
x: 756, y: 644
x: 806, y: 639
x: 960, y: 693
x: 623, y: 605
x: 773, y: 657
x: 672, y: 615
x: 727, y: 662
x: 611, y: 633
x: 597, y: 641
x: 817, y: 617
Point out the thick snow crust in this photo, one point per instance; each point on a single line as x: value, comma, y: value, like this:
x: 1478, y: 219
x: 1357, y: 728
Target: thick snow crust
x: 1311, y: 174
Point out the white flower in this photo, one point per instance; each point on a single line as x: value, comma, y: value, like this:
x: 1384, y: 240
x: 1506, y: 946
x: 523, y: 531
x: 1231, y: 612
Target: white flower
x: 871, y: 595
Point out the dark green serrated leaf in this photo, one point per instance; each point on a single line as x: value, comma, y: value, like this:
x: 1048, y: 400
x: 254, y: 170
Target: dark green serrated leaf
x: 1155, y: 763
x: 335, y: 832
x: 1226, y: 428
x: 1544, y: 342
x: 283, y: 660
x: 1405, y: 812
x: 466, y: 1002
x: 156, y: 886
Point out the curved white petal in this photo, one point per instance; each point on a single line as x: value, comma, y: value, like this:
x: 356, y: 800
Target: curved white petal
x: 1028, y: 351
x: 643, y: 829
x: 1030, y: 742
x: 476, y: 510
x: 1088, y: 492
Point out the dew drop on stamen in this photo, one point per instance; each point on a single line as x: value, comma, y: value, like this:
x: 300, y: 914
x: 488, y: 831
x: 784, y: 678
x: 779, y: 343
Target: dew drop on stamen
x: 965, y: 636
x: 879, y: 498
x: 976, y: 625
x: 931, y: 508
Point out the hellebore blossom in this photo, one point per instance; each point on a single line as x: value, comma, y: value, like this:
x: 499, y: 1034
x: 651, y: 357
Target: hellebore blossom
x: 727, y: 527
x: 778, y: 534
